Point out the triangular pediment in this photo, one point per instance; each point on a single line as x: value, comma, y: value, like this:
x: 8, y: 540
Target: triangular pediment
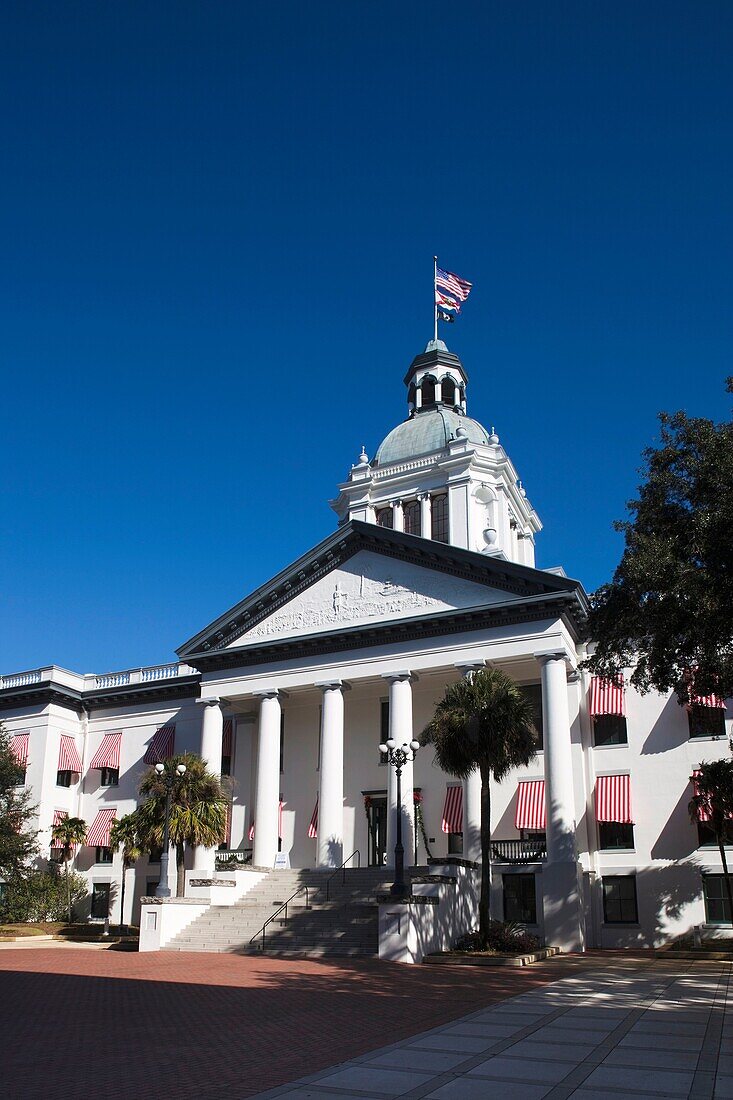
x: 369, y: 588
x: 366, y: 575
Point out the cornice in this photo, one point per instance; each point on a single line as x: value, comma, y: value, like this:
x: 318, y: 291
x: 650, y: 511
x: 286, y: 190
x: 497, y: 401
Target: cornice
x: 126, y: 695
x: 559, y: 605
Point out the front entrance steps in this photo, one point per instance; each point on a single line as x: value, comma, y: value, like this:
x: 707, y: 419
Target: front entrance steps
x: 344, y: 924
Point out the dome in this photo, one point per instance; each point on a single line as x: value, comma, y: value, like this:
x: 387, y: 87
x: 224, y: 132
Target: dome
x: 427, y: 432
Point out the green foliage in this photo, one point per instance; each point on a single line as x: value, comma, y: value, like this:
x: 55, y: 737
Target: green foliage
x: 483, y: 721
x: 713, y: 798
x: 40, y: 895
x: 503, y: 936
x: 668, y: 611
x: 125, y: 835
x: 17, y: 836
x: 68, y: 834
x: 198, y: 810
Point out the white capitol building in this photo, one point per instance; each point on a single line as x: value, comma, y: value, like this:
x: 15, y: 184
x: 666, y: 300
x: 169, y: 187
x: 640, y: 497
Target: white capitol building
x: 429, y: 573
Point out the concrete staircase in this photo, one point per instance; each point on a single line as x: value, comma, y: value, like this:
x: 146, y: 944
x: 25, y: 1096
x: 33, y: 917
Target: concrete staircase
x: 345, y: 924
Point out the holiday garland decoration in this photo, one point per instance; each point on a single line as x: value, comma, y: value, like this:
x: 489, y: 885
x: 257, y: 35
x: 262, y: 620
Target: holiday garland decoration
x: 419, y: 820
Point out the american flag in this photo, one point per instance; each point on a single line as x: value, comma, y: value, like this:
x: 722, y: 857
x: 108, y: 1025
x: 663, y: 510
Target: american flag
x: 446, y: 303
x: 457, y: 287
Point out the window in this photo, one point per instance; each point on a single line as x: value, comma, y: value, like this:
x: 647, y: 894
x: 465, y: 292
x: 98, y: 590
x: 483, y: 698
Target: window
x: 109, y: 777
x: 439, y: 518
x: 609, y: 729
x: 384, y: 517
x: 282, y: 742
x: 63, y: 778
x: 383, y: 727
x: 615, y: 834
x: 706, y: 836
x: 411, y: 514
x: 150, y: 887
x: 103, y: 855
x: 428, y: 390
x: 706, y: 721
x: 448, y: 392
x: 520, y: 899
x: 455, y: 844
x: 226, y: 765
x: 619, y: 900
x: 717, y: 909
x: 100, y: 900
x: 533, y: 693
x: 20, y: 776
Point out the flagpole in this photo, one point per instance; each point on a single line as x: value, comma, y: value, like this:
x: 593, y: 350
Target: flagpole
x: 435, y: 304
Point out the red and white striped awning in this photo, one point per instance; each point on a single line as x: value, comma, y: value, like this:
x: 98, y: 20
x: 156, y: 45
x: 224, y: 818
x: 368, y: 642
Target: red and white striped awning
x: 453, y: 810
x: 69, y: 759
x: 607, y: 697
x: 98, y: 834
x: 160, y: 748
x: 613, y: 799
x: 702, y: 814
x: 58, y: 817
x: 713, y: 701
x: 313, y: 827
x: 251, y: 833
x: 227, y: 737
x: 108, y: 754
x: 531, y: 812
x: 19, y: 748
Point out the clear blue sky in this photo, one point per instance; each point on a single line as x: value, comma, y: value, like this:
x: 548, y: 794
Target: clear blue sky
x: 217, y: 224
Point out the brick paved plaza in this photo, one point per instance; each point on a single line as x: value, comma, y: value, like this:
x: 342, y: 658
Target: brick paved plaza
x: 81, y: 1023
x: 88, y: 1023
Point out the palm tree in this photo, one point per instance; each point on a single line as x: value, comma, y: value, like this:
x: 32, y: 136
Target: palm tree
x: 67, y: 834
x: 124, y: 835
x: 483, y: 721
x: 712, y: 803
x: 198, y: 811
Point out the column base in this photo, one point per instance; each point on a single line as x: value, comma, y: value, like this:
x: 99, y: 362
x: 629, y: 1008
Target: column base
x: 562, y: 902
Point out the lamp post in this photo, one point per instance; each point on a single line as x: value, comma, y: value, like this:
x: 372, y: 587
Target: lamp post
x: 397, y: 758
x: 169, y: 778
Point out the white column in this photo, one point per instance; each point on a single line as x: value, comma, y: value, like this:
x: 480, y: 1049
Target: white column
x: 331, y: 777
x: 400, y: 730
x: 267, y: 796
x: 456, y: 394
x: 438, y: 392
x: 398, y: 516
x: 472, y: 792
x: 561, y: 886
x: 212, y: 729
x: 425, y: 508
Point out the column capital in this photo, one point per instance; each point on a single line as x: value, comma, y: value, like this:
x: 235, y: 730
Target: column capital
x: 393, y: 677
x: 464, y: 667
x: 395, y: 503
x: 544, y: 657
x: 210, y: 701
x: 423, y: 496
x: 333, y: 685
x: 270, y: 693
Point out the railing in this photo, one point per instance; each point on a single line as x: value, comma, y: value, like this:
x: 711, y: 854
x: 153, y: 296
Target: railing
x: 342, y: 868
x: 21, y: 679
x: 160, y: 672
x: 520, y: 851
x: 113, y: 679
x: 285, y: 904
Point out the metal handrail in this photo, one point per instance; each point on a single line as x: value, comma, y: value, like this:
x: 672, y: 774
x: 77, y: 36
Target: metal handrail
x: 285, y: 904
x: 342, y: 868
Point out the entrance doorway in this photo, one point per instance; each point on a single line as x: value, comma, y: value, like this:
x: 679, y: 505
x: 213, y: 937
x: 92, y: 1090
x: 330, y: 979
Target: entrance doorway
x: 377, y: 822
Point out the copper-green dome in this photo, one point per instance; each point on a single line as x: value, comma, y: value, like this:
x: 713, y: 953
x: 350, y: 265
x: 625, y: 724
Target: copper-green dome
x: 428, y: 431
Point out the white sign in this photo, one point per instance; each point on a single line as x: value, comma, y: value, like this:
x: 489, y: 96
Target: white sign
x: 282, y: 861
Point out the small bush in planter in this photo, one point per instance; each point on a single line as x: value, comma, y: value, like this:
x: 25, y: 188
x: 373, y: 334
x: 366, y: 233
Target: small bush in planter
x: 504, y: 937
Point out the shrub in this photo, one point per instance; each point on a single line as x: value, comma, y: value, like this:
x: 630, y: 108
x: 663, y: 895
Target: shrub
x: 505, y: 937
x: 40, y: 895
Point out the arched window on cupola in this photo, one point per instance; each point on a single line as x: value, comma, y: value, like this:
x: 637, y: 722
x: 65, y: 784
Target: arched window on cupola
x: 427, y: 386
x: 448, y: 391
